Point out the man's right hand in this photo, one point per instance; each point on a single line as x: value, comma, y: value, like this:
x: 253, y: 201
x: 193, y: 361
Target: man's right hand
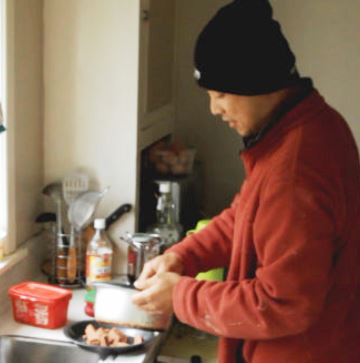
x: 168, y: 262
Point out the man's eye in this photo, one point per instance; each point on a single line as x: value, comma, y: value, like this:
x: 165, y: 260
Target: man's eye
x: 216, y: 95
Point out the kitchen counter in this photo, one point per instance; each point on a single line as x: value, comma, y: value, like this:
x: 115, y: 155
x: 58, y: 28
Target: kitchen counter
x: 75, y: 313
x: 184, y: 341
x: 181, y: 342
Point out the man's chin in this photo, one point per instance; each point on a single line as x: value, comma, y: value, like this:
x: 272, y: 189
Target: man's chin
x: 242, y: 133
x: 233, y: 125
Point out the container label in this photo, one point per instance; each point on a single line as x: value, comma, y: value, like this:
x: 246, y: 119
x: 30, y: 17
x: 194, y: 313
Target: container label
x: 21, y: 307
x: 30, y: 312
x: 98, y: 268
x: 41, y: 314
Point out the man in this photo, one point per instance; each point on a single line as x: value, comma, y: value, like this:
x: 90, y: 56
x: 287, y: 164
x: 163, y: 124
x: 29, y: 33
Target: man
x: 291, y: 238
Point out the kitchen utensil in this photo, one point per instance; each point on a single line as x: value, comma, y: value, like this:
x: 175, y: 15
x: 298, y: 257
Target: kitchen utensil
x: 142, y: 248
x: 89, y: 231
x: 76, y: 331
x: 49, y: 266
x: 62, y: 255
x: 83, y: 208
x: 55, y: 192
x: 80, y: 212
x: 114, y: 216
x: 73, y: 185
x: 113, y: 304
x: 46, y: 217
x: 72, y: 259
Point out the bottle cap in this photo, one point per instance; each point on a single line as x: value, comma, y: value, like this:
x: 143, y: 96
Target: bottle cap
x: 165, y: 187
x: 99, y: 223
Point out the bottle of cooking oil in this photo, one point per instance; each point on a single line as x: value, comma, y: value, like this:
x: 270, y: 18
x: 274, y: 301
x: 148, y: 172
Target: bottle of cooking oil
x: 99, y: 255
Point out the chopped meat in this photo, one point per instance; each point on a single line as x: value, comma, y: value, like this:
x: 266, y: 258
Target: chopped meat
x: 116, y: 336
x: 103, y: 341
x: 138, y: 339
x: 93, y: 341
x: 91, y: 335
x: 108, y: 337
x: 90, y: 331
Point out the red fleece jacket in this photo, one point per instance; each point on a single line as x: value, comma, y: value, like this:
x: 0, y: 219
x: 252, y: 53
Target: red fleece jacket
x: 291, y: 241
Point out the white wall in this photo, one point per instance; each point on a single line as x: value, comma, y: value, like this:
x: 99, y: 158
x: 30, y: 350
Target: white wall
x: 216, y: 144
x: 90, y: 102
x: 91, y: 88
x: 25, y: 123
x: 325, y: 36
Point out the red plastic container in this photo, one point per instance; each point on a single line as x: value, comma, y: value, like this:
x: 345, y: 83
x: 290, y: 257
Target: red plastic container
x: 40, y: 304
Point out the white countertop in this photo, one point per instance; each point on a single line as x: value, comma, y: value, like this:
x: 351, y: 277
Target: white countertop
x: 183, y: 342
x: 75, y: 313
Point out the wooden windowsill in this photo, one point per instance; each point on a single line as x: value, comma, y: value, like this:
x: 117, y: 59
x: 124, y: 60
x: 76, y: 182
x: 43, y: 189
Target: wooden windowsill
x: 9, y: 261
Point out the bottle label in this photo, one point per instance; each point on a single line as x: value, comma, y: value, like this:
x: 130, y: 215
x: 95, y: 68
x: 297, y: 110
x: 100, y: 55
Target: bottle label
x: 131, y: 266
x: 98, y: 268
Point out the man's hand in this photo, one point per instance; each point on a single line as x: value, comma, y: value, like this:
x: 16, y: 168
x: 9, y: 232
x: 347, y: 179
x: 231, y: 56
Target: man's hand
x: 169, y: 262
x: 156, y: 294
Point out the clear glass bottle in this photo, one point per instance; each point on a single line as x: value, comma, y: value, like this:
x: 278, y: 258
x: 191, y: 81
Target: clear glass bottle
x: 166, y: 226
x: 99, y: 255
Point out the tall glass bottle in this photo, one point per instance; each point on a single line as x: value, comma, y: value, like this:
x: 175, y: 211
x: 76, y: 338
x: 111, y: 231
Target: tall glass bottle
x: 166, y: 226
x: 99, y: 255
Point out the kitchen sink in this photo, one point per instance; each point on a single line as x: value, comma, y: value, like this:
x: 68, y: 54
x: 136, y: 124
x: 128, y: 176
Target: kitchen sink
x: 18, y: 349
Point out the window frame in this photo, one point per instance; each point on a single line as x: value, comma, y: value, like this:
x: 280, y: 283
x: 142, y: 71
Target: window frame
x: 8, y: 237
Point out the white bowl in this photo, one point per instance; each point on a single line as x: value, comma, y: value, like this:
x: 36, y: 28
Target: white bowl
x: 113, y: 304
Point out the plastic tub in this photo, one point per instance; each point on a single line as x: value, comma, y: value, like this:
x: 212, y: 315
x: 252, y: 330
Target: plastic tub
x: 216, y: 274
x: 39, y: 304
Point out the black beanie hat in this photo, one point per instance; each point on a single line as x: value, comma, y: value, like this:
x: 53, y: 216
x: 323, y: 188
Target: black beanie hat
x: 243, y: 51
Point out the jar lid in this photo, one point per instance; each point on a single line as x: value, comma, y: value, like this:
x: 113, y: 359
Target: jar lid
x: 164, y: 186
x: 39, y: 291
x: 90, y: 295
x: 143, y: 238
x: 99, y: 223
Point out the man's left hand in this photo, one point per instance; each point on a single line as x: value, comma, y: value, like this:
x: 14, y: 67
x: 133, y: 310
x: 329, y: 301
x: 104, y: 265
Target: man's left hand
x: 156, y: 293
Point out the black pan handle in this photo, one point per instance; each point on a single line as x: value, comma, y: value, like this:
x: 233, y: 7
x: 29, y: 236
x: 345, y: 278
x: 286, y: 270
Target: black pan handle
x: 195, y: 359
x: 114, y: 216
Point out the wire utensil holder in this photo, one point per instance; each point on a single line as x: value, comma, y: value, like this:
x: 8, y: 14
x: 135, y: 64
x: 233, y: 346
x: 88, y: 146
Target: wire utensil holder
x: 60, y: 269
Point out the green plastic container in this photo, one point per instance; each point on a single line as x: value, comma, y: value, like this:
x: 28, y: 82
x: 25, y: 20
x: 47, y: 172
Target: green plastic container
x: 216, y: 274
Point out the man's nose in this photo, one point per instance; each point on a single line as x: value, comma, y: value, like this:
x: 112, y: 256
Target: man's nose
x: 214, y: 108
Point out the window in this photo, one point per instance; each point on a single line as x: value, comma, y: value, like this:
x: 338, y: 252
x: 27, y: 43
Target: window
x: 3, y: 166
x: 6, y: 243
x: 3, y: 177
x: 3, y: 188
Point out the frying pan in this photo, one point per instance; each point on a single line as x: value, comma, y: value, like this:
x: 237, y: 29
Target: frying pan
x: 76, y: 331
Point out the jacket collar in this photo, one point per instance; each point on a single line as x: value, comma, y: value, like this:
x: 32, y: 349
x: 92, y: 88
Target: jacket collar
x: 280, y: 127
x: 306, y: 86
